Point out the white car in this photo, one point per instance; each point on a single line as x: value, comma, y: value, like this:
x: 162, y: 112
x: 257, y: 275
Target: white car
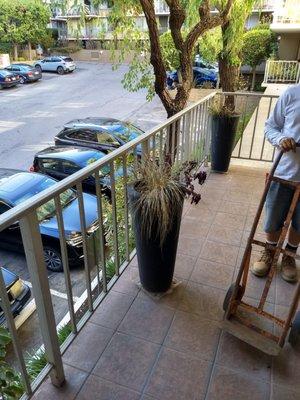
x: 59, y: 64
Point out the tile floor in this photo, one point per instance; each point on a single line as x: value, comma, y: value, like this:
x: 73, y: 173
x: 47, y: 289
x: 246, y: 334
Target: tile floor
x: 138, y: 348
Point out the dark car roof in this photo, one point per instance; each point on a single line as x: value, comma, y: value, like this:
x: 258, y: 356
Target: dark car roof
x: 14, y: 183
x: 70, y: 153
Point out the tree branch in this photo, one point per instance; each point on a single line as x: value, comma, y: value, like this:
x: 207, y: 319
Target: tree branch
x: 176, y: 21
x: 206, y: 22
x: 156, y: 57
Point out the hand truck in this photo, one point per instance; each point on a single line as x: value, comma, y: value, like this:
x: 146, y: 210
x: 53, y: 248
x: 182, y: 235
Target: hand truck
x: 241, y: 326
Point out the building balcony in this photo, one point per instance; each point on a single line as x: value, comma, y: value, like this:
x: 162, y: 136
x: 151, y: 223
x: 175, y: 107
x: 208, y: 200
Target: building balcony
x: 286, y: 18
x: 126, y: 344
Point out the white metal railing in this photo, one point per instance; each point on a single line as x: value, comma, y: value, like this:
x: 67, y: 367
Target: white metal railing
x: 191, y: 142
x: 282, y: 72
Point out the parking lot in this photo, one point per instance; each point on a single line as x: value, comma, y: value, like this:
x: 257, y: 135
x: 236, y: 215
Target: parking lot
x: 32, y: 114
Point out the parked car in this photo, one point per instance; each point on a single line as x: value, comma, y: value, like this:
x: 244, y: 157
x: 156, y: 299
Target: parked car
x: 200, y: 62
x: 8, y: 79
x: 18, y: 293
x: 104, y: 134
x: 59, y: 64
x: 18, y: 186
x: 62, y: 161
x: 200, y: 76
x: 26, y: 72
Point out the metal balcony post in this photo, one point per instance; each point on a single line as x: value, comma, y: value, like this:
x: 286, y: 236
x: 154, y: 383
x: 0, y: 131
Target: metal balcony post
x: 38, y: 273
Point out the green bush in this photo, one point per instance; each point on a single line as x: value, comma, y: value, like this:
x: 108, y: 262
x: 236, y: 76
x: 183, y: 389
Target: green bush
x: 5, y: 48
x: 65, y: 50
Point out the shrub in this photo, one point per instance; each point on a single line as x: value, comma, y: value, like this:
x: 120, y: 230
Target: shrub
x: 65, y: 50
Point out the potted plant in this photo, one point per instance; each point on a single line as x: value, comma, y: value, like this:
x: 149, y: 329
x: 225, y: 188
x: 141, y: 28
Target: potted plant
x: 156, y: 198
x: 224, y: 126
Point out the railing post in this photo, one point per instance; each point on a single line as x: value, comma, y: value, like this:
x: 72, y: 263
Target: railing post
x: 38, y: 274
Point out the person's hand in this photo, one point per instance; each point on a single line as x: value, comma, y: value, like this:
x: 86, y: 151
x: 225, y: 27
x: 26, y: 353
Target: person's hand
x: 287, y: 144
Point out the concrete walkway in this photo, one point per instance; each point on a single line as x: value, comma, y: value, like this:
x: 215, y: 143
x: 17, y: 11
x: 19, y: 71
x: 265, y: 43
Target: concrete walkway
x: 253, y: 144
x: 135, y: 347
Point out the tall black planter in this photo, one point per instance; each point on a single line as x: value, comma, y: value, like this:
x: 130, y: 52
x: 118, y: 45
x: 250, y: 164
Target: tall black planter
x: 222, y: 141
x: 156, y: 261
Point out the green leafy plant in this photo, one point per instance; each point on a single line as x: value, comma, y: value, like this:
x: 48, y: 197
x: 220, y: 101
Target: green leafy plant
x: 11, y: 387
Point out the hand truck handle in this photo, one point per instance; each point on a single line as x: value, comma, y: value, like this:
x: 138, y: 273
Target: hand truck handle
x: 276, y: 162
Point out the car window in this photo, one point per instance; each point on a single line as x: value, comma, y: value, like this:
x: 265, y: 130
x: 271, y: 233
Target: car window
x: 56, y: 59
x: 9, y: 68
x: 94, y: 136
x: 86, y: 134
x: 106, y: 138
x: 48, y: 59
x: 16, y: 68
x: 50, y: 164
x: 3, y: 207
x: 67, y: 59
x: 69, y: 168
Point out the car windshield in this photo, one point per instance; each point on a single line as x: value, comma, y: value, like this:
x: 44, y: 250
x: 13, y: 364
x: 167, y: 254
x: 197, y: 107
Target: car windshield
x: 48, y: 209
x: 67, y: 59
x: 124, y: 130
x: 95, y: 157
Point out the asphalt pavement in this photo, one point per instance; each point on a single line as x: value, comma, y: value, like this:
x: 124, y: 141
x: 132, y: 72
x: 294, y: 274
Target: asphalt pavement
x: 32, y: 114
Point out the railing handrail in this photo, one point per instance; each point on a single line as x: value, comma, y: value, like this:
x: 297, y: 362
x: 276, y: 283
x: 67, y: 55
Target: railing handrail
x: 16, y: 213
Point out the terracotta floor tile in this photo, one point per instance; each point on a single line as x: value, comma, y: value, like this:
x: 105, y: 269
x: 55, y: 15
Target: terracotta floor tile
x: 190, y: 246
x: 212, y: 274
x: 238, y: 196
x: 282, y: 393
x: 232, y: 207
x: 88, y: 346
x: 177, y: 376
x: 286, y: 371
x: 184, y: 266
x: 201, y: 213
x: 127, y: 361
x: 221, y: 253
x: 127, y: 283
x: 203, y: 300
x: 193, y: 335
x: 112, y: 310
x: 238, y: 355
x: 227, y: 384
x: 74, y: 380
x: 193, y: 227
x: 230, y: 221
x: 225, y: 235
x: 148, y: 320
x: 96, y: 388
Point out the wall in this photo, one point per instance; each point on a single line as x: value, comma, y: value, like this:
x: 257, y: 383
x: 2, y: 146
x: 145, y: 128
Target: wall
x: 4, y: 60
x: 289, y: 46
x: 102, y: 56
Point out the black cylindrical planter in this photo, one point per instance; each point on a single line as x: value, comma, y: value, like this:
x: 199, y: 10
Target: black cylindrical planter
x: 156, y: 261
x: 222, y: 141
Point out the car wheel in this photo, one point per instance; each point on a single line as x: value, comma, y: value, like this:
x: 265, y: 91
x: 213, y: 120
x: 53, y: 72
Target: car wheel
x: 53, y: 259
x: 38, y: 67
x: 22, y: 80
x: 60, y: 70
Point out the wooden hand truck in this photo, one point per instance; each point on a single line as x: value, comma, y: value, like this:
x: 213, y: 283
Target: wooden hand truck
x: 240, y: 326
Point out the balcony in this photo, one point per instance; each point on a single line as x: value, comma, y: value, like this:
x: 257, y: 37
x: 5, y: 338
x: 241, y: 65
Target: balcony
x: 127, y: 344
x: 286, y: 72
x: 286, y: 18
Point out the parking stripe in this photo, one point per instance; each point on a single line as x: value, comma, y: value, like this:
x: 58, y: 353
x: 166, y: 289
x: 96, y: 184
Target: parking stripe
x: 55, y: 292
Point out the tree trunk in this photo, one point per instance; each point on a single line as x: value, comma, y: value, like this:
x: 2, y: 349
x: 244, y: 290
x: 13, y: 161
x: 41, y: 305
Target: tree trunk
x: 228, y: 80
x: 253, y: 78
x: 29, y: 51
x: 15, y: 54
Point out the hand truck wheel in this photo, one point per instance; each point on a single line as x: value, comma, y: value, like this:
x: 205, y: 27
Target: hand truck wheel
x: 294, y: 336
x: 229, y: 294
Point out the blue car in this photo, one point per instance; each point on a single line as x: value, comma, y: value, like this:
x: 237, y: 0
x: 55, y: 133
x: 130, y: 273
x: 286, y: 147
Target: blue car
x: 18, y: 293
x: 8, y: 79
x: 200, y: 76
x: 27, y: 73
x: 18, y: 186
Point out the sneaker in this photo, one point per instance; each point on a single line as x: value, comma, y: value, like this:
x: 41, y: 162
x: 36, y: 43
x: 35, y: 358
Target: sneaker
x: 262, y: 266
x: 288, y: 268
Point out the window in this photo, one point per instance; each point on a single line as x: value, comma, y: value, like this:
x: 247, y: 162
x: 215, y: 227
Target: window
x: 86, y: 135
x: 106, y: 138
x: 50, y: 164
x: 3, y: 207
x: 55, y: 59
x: 94, y: 136
x: 69, y: 168
x: 16, y: 68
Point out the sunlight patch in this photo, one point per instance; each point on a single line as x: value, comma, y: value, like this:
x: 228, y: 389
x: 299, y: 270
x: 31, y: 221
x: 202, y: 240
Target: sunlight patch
x: 8, y: 125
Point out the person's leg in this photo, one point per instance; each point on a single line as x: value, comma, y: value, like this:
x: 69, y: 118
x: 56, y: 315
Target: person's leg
x: 288, y: 263
x: 276, y: 209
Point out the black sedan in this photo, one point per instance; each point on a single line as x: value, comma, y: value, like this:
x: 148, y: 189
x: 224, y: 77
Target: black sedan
x: 18, y: 293
x: 19, y: 186
x: 8, y: 79
x: 62, y: 161
x: 104, y: 134
x: 26, y: 72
